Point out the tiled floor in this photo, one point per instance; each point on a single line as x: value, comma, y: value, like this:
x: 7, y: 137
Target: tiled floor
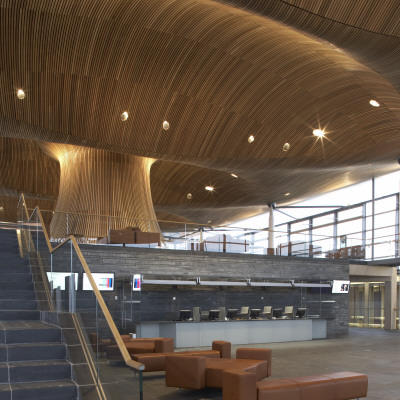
x: 374, y: 352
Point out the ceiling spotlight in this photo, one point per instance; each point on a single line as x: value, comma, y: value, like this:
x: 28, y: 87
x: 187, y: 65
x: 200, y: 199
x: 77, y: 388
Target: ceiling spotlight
x: 124, y: 116
x: 189, y: 196
x: 234, y: 175
x: 1, y: 208
x: 319, y: 132
x: 165, y: 125
x: 250, y: 139
x: 374, y: 103
x: 286, y: 147
x: 20, y: 94
x: 209, y: 188
x: 287, y: 194
x: 209, y: 222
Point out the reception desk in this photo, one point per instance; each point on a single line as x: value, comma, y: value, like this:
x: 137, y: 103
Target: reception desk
x: 200, y: 334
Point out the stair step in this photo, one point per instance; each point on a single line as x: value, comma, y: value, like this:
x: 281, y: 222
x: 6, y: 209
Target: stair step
x: 16, y: 286
x: 18, y: 305
x: 17, y: 295
x: 32, y: 352
x: 52, y: 390
x: 29, y: 334
x: 35, y: 371
x: 15, y: 276
x: 13, y: 315
x: 12, y: 267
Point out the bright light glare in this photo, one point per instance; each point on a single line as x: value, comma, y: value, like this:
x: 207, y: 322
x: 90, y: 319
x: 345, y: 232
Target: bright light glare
x: 319, y: 132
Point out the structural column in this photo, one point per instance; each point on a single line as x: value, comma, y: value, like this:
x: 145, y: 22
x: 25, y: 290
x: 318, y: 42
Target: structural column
x: 101, y: 190
x: 271, y: 230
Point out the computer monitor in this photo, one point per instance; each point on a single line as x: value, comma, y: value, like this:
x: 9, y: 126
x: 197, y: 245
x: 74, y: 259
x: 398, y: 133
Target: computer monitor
x: 213, y: 315
x: 255, y: 313
x: 232, y: 313
x: 277, y: 313
x: 185, y: 315
x: 301, y: 312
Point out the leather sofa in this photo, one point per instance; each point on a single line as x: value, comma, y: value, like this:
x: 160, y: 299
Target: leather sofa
x: 240, y: 385
x: 157, y: 361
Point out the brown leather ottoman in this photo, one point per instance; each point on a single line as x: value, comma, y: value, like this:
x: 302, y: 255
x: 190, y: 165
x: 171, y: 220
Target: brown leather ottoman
x: 278, y: 389
x: 156, y: 361
x: 238, y: 385
x: 349, y: 385
x: 216, y: 367
x: 185, y: 372
x: 256, y: 354
x: 316, y: 387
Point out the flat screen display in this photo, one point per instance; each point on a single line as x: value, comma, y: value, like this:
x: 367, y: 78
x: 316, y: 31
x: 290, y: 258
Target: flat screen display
x: 104, y: 281
x: 340, y: 286
x: 58, y: 279
x: 137, y: 283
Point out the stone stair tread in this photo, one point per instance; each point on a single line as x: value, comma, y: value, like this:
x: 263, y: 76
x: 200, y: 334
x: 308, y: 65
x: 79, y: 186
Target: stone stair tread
x: 23, y: 385
x: 38, y: 344
x: 19, y: 324
x: 34, y: 363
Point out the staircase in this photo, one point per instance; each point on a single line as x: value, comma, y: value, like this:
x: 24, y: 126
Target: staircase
x: 33, y: 362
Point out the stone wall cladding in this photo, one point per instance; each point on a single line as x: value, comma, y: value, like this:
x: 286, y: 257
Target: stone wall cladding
x: 156, y: 300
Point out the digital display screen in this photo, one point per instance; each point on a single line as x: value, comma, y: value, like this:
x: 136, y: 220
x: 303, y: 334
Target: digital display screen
x: 340, y: 286
x: 137, y: 282
x: 104, y: 281
x: 58, y: 279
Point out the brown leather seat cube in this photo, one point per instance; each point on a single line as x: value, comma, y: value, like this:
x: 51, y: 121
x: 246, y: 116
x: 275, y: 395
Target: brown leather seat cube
x: 216, y: 367
x: 256, y: 354
x: 315, y: 387
x: 237, y: 384
x: 349, y: 385
x: 156, y: 361
x: 185, y: 372
x: 278, y: 389
x: 223, y: 347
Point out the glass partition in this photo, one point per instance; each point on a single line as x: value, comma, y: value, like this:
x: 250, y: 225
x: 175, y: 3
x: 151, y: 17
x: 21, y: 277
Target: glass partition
x: 65, y: 285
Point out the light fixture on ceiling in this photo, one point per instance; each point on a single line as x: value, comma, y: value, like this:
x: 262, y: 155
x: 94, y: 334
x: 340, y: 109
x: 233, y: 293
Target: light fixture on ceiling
x: 1, y: 208
x: 286, y: 147
x: 250, y: 139
x: 189, y: 196
x: 209, y: 188
x: 234, y: 175
x: 124, y: 116
x: 20, y: 94
x: 319, y: 132
x: 165, y: 125
x: 287, y: 194
x: 374, y: 103
x: 209, y: 222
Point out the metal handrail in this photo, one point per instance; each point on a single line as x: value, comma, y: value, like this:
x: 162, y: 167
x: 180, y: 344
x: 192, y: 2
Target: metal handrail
x: 125, y: 354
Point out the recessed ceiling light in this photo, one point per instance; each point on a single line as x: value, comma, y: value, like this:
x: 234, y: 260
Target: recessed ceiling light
x: 286, y: 147
x: 374, y: 103
x: 319, y: 132
x: 287, y: 194
x: 250, y: 139
x: 209, y: 188
x: 20, y: 94
x: 165, y: 125
x: 124, y: 116
x: 189, y: 196
x: 234, y: 175
x: 1, y: 208
x: 209, y: 222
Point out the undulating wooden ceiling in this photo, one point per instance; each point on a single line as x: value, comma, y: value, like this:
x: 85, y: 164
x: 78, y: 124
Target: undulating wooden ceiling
x: 218, y: 72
